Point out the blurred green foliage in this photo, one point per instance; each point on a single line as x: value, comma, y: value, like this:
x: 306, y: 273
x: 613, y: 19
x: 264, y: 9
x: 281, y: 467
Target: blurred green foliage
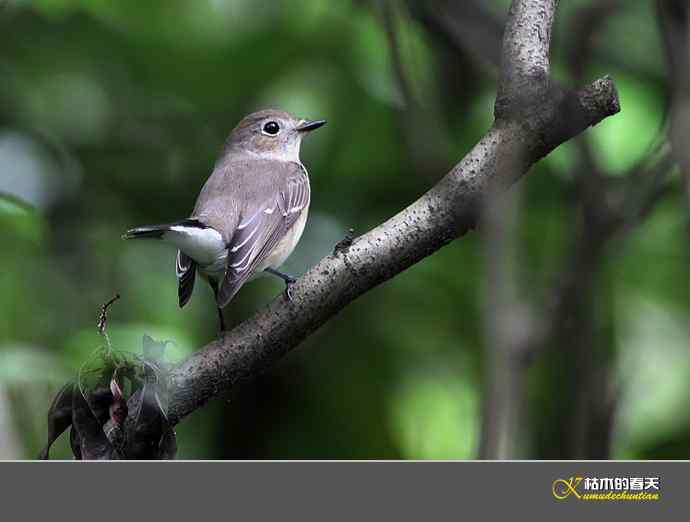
x: 111, y: 116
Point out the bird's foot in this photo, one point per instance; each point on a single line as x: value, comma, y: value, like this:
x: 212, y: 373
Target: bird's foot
x: 289, y: 281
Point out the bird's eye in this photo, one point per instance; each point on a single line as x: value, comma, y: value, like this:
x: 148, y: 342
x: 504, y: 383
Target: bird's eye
x: 271, y: 128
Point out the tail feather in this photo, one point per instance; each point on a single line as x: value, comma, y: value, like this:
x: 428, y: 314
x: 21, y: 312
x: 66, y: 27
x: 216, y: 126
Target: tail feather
x: 157, y: 231
x: 185, y: 269
x: 149, y: 231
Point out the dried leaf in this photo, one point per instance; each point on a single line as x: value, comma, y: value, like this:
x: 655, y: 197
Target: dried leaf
x: 117, y: 408
x: 59, y: 417
x: 93, y: 444
x: 149, y: 434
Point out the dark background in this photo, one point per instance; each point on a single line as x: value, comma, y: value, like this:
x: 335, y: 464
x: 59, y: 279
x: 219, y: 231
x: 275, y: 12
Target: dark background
x: 111, y: 116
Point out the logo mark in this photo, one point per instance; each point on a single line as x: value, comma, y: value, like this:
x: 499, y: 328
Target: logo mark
x: 562, y: 488
x: 608, y: 488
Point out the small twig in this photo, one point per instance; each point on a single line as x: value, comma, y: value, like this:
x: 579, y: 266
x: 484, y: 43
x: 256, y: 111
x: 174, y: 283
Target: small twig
x: 103, y: 317
x: 344, y: 244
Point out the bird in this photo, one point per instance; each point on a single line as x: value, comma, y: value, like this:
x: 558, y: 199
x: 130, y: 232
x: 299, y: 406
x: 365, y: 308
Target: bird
x: 250, y: 213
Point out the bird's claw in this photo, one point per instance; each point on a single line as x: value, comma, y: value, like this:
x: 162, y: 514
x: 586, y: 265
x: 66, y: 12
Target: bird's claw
x: 288, y: 289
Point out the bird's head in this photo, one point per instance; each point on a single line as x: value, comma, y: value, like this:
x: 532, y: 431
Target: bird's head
x: 271, y: 134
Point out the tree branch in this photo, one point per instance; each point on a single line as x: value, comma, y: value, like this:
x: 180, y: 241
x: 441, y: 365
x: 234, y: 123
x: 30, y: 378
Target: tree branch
x: 525, y: 56
x: 509, y: 327
x: 532, y: 118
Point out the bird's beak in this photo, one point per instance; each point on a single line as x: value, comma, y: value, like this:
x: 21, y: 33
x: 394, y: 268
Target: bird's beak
x: 310, y: 125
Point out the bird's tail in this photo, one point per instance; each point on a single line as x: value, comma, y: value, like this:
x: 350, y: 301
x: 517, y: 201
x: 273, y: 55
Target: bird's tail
x: 157, y: 231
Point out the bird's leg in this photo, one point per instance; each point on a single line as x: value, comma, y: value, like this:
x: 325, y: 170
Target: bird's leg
x: 214, y: 287
x: 289, y: 280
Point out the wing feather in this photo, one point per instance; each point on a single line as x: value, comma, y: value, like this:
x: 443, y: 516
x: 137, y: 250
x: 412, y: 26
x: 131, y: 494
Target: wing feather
x: 261, y: 228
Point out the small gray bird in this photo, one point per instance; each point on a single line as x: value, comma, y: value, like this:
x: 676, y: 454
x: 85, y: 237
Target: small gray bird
x: 251, y: 212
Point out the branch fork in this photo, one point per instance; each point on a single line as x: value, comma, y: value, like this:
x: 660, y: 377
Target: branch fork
x: 533, y: 115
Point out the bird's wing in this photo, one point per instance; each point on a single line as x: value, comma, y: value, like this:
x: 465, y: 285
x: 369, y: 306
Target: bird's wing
x: 185, y: 268
x: 275, y: 202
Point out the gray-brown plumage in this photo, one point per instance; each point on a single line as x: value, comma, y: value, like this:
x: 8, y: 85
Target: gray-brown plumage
x: 251, y: 212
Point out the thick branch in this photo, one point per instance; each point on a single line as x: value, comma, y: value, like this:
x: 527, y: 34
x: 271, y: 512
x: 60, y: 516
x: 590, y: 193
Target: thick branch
x: 444, y: 213
x: 525, y: 58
